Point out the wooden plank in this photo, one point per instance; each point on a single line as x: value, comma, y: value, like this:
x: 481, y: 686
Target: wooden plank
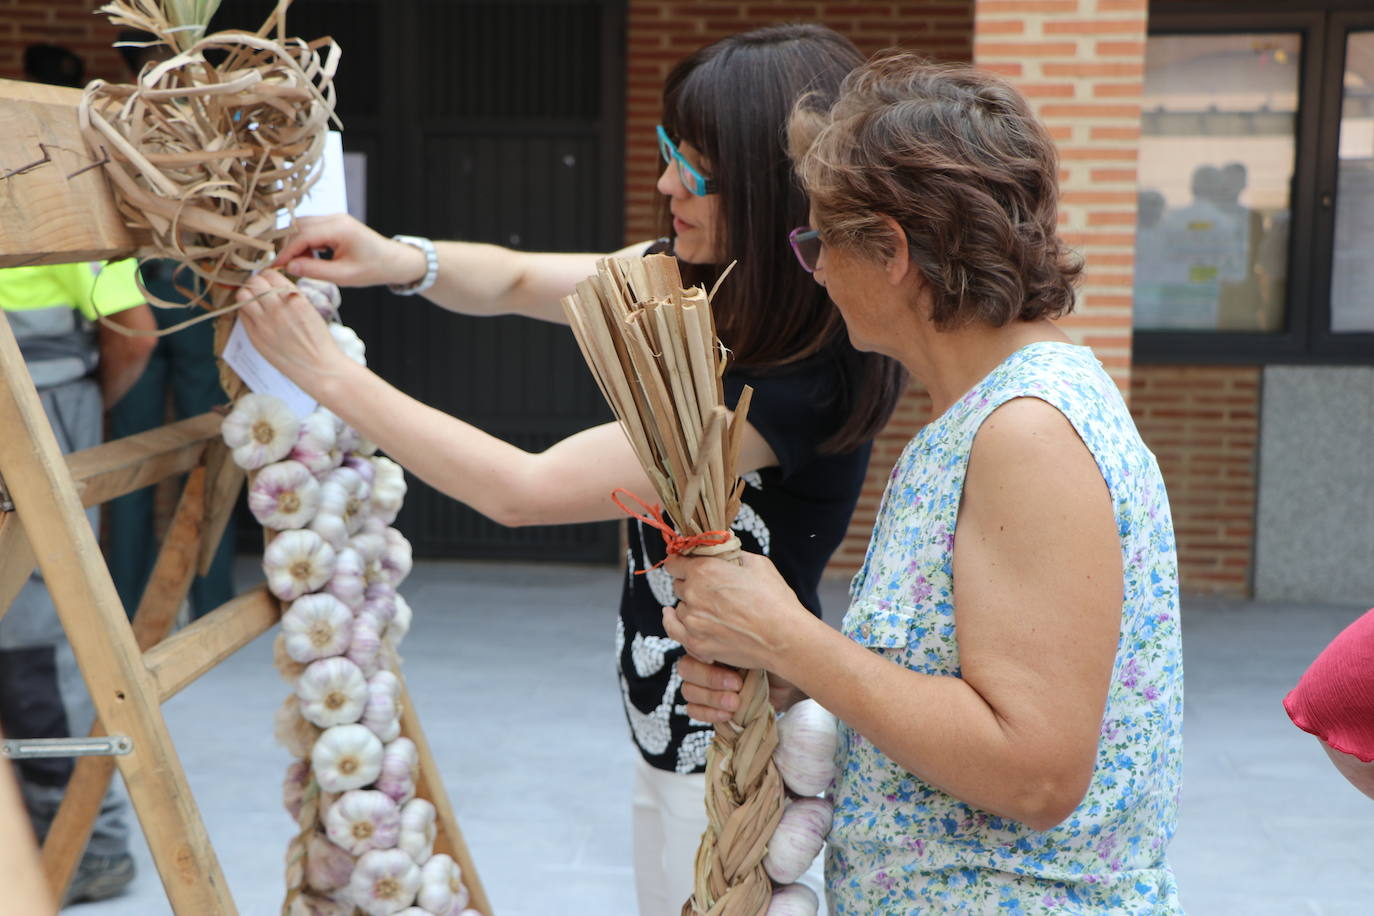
x: 430, y: 785
x: 157, y: 612
x: 177, y: 661
x: 224, y: 478
x: 17, y: 560
x: 124, y: 693
x: 51, y: 212
x: 112, y: 469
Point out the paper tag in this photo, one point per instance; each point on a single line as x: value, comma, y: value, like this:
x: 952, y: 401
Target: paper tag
x: 261, y: 376
x: 329, y: 194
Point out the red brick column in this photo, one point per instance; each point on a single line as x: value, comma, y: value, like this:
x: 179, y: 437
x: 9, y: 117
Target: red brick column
x: 70, y: 23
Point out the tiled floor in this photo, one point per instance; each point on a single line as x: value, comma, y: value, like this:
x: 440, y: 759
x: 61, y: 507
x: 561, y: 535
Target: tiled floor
x: 511, y: 668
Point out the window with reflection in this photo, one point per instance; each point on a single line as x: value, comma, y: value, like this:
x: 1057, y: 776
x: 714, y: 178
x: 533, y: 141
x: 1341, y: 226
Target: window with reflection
x: 1352, y: 262
x: 1215, y: 170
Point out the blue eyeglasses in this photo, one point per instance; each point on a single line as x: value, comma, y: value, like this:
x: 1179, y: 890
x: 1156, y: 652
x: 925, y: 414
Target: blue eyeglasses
x: 692, y: 180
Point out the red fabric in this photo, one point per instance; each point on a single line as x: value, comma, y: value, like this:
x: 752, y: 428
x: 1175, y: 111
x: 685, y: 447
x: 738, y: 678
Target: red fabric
x: 1334, y: 699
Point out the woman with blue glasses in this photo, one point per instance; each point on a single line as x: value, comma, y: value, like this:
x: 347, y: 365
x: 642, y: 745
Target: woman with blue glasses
x: 729, y: 195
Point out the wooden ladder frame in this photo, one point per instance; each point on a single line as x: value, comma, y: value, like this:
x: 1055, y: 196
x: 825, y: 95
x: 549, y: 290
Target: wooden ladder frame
x: 131, y: 668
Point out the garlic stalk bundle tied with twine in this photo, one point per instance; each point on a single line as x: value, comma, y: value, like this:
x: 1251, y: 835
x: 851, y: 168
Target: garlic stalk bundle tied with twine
x: 653, y: 350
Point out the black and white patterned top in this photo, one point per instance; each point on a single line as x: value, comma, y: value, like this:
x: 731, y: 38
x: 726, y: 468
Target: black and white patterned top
x: 794, y: 513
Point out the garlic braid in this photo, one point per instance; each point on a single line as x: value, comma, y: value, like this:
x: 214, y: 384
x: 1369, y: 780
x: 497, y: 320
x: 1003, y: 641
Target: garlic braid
x: 308, y: 820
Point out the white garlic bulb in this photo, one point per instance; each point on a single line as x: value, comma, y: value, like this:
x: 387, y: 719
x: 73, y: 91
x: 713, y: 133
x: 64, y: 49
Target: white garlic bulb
x: 388, y: 489
x: 316, y: 626
x: 365, y: 648
x: 798, y: 838
x: 346, y: 757
x: 794, y: 900
x: 349, y: 342
x: 441, y: 884
x: 289, y: 669
x: 400, y: 770
x: 322, y: 294
x: 382, y: 713
x: 384, y: 882
x: 364, y: 468
x: 297, y: 562
x: 291, y: 729
x: 396, y: 558
x: 344, y: 493
x: 260, y: 429
x: 293, y: 787
x: 380, y: 602
x: 418, y: 829
x: 347, y: 583
x: 808, y: 737
x: 284, y: 495
x: 327, y: 867
x: 399, y: 626
x: 363, y: 819
x: 317, y: 443
x: 333, y: 691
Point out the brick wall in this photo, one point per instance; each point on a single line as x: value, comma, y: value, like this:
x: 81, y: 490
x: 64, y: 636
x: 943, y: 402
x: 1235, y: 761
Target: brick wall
x: 1202, y: 422
x: 70, y: 23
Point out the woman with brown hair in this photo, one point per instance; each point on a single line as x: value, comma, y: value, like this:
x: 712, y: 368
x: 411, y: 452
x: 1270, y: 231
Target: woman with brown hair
x: 1009, y: 675
x: 732, y: 195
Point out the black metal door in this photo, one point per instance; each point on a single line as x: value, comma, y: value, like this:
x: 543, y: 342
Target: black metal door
x: 497, y: 121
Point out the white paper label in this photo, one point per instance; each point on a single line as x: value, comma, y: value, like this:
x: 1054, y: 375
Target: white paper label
x: 329, y: 193
x: 261, y: 376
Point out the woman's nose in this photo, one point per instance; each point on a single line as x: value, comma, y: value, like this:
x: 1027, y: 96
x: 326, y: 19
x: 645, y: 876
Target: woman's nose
x: 669, y: 182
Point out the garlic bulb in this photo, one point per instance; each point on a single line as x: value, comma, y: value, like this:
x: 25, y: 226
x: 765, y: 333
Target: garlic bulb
x: 316, y: 626
x: 418, y: 829
x: 380, y: 602
x: 384, y: 882
x: 332, y: 528
x: 441, y: 885
x: 289, y: 669
x: 322, y: 294
x: 347, y: 583
x: 346, y: 757
x: 292, y: 731
x: 382, y: 713
x: 808, y: 737
x: 293, y: 787
x: 344, y: 493
x: 363, y: 819
x: 284, y: 495
x: 388, y: 489
x: 260, y: 429
x: 349, y: 342
x: 399, y: 626
x: 297, y: 562
x: 311, y: 904
x: 794, y: 900
x: 317, y: 443
x: 327, y: 867
x: 365, y: 649
x: 798, y: 838
x: 363, y: 468
x: 396, y: 558
x: 333, y: 691
x: 400, y: 769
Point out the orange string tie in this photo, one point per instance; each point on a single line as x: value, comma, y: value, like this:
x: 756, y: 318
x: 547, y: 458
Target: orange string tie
x: 675, y: 543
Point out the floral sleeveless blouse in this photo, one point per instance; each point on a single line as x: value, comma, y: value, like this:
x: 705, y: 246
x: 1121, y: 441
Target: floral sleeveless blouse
x: 901, y: 846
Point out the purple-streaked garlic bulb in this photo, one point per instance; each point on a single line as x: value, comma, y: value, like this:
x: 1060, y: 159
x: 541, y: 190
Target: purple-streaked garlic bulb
x: 259, y: 430
x: 317, y: 443
x: 400, y: 770
x: 346, y: 757
x: 297, y: 562
x: 347, y: 584
x: 317, y: 626
x: 363, y: 819
x: 382, y: 713
x: 418, y: 829
x: 327, y: 867
x: 333, y: 691
x: 384, y: 881
x: 284, y: 495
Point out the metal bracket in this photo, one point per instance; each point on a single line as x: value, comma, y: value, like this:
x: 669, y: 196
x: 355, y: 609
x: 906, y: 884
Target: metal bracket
x: 6, y: 504
x: 31, y: 748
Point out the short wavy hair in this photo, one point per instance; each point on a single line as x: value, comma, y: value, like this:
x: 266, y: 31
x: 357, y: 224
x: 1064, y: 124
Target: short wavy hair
x: 956, y: 157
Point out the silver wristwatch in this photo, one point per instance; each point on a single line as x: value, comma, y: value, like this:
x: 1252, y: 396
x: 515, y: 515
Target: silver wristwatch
x: 431, y: 266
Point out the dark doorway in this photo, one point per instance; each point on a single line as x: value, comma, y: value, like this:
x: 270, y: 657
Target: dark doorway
x: 497, y: 121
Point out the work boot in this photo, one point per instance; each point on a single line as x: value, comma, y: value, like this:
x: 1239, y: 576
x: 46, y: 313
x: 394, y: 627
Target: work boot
x: 99, y: 878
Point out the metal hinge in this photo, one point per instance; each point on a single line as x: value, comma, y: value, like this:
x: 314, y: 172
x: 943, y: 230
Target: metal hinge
x: 30, y: 748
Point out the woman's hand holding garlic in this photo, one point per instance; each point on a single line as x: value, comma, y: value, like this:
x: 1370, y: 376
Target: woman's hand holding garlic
x: 288, y: 330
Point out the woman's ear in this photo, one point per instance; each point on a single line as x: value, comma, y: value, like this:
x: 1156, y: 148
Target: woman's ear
x: 899, y: 264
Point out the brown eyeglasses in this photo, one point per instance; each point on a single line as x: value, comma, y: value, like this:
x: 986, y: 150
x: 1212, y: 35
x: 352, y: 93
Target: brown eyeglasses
x: 806, y: 245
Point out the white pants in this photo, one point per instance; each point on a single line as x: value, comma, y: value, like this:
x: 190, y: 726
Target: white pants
x: 669, y: 819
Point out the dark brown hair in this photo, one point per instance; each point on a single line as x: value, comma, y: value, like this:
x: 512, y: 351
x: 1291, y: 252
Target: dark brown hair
x: 731, y: 101
x: 956, y: 157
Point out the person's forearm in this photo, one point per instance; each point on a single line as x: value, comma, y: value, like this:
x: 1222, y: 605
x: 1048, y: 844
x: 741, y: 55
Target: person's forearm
x: 124, y: 357
x: 938, y: 728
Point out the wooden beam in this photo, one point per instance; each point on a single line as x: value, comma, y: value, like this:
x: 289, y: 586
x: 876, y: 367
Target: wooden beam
x: 177, y: 661
x: 430, y: 785
x: 134, y: 462
x: 224, y: 478
x: 156, y: 614
x: 53, y: 211
x: 124, y: 693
